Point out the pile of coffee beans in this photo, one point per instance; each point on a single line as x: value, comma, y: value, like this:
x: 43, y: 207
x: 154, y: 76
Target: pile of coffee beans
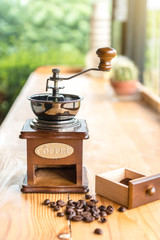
x: 83, y: 210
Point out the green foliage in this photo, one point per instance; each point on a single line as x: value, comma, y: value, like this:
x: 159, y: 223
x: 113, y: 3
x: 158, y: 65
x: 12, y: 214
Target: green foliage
x: 36, y: 33
x: 123, y: 69
x: 152, y: 39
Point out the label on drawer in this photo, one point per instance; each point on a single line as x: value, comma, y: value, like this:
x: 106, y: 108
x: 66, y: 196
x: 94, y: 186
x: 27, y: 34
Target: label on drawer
x: 54, y: 150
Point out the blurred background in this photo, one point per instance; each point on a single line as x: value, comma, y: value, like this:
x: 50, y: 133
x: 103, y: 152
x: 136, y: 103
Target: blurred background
x: 59, y: 32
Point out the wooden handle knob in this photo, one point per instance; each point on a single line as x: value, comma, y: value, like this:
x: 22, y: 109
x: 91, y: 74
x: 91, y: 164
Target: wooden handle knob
x: 106, y: 55
x: 151, y: 191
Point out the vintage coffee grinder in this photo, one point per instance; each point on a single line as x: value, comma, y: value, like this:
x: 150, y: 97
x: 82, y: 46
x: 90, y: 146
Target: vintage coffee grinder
x: 55, y: 137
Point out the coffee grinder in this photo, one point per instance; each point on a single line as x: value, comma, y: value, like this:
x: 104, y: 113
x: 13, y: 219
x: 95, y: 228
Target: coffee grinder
x: 55, y: 137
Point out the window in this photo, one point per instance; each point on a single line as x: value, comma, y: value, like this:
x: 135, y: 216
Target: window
x: 152, y: 47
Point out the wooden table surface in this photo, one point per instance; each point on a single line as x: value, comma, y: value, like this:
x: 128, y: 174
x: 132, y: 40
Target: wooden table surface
x: 122, y: 134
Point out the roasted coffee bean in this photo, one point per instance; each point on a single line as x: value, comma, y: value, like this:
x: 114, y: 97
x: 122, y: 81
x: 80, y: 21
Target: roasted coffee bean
x: 95, y: 212
x: 90, y: 204
x: 88, y: 196
x: 102, y: 208
x: 110, y: 207
x: 87, y: 208
x: 89, y: 219
x: 83, y: 201
x: 77, y: 218
x: 103, y: 220
x: 52, y: 204
x: 56, y: 208
x: 70, y: 208
x: 60, y: 214
x: 61, y: 203
x: 69, y: 217
x: 96, y: 215
x: 109, y: 210
x: 86, y: 214
x: 95, y: 208
x: 103, y: 214
x: 70, y: 212
x: 98, y: 231
x: 125, y: 181
x: 122, y: 209
x: 94, y: 200
x: 79, y: 210
x: 46, y: 202
x: 70, y: 202
x: 79, y: 205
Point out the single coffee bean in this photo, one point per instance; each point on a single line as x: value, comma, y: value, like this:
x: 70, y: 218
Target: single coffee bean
x: 103, y: 214
x: 52, y: 204
x: 109, y: 210
x: 90, y: 204
x: 88, y: 196
x: 98, y: 231
x: 87, y: 208
x: 71, y: 202
x: 122, y: 209
x: 94, y: 200
x: 86, y: 214
x: 95, y: 211
x: 103, y: 220
x: 96, y: 215
x: 46, y: 202
x: 110, y: 207
x: 70, y: 208
x: 95, y: 208
x: 60, y: 214
x: 102, y: 208
x: 79, y: 205
x: 79, y: 210
x: 83, y: 201
x: 70, y: 215
x: 61, y: 203
x: 125, y: 181
x: 89, y: 219
x: 70, y: 212
x: 56, y: 208
x: 77, y: 218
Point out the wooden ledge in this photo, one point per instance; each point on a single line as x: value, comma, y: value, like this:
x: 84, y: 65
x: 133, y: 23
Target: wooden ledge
x: 149, y: 97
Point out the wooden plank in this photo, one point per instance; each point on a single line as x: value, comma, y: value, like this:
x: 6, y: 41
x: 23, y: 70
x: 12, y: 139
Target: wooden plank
x: 24, y: 217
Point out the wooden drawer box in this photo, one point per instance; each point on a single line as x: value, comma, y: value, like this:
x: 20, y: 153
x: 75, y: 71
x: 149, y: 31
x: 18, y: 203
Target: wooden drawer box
x: 140, y: 190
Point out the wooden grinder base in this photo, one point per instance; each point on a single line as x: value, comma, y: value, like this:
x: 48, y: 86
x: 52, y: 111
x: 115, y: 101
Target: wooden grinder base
x: 55, y: 175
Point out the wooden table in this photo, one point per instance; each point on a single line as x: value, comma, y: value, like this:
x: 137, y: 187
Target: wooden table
x: 122, y: 134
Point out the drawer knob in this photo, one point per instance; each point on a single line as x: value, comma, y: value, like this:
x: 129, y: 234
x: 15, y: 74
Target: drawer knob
x: 150, y: 191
